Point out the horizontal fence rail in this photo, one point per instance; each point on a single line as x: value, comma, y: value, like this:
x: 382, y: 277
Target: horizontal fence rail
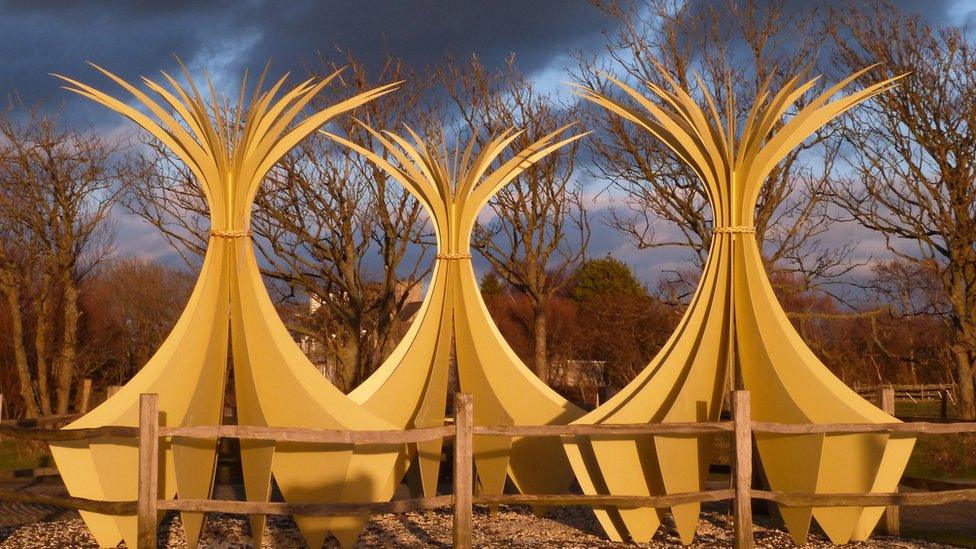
x: 21, y: 474
x: 61, y: 419
x: 931, y: 390
x: 866, y: 500
x: 917, y: 427
x: 606, y: 500
x: 604, y: 429
x: 66, y: 435
x: 462, y: 429
x: 69, y: 502
x: 325, y: 436
x: 308, y: 509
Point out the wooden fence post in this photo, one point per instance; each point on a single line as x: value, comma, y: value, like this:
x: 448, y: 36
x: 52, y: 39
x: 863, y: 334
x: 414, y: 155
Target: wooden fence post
x: 944, y: 410
x: 84, y: 400
x: 892, y: 522
x: 463, y: 470
x: 148, y: 469
x: 742, y: 420
x: 886, y: 400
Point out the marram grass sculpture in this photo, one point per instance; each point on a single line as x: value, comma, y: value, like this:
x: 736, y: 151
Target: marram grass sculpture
x: 735, y: 319
x: 229, y: 312
x: 409, y: 388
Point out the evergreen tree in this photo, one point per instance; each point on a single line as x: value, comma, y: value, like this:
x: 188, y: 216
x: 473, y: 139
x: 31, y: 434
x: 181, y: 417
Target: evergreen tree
x: 605, y: 277
x: 491, y: 285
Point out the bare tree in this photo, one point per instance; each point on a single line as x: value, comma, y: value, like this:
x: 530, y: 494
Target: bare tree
x: 338, y: 229
x: 329, y: 226
x: 57, y: 190
x: 130, y: 305
x: 914, y: 327
x: 19, y: 250
x: 915, y: 161
x: 730, y: 47
x: 540, y: 230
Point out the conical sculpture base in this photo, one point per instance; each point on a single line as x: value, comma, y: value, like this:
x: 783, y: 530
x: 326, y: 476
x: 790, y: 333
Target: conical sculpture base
x: 229, y: 311
x: 735, y: 320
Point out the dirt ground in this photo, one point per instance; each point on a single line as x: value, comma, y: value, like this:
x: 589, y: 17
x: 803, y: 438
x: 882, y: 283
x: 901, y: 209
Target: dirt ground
x: 41, y: 527
x: 953, y: 524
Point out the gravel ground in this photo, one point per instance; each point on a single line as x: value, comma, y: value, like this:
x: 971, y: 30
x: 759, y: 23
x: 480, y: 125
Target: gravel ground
x: 510, y: 527
x: 42, y: 527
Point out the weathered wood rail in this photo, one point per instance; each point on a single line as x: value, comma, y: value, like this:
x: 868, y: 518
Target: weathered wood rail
x: 931, y: 391
x: 148, y: 506
x: 914, y: 393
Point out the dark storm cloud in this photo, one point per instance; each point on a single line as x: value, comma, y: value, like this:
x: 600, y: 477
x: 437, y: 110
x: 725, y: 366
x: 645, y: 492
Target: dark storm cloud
x: 37, y: 38
x: 135, y: 38
x: 936, y: 13
x: 139, y: 38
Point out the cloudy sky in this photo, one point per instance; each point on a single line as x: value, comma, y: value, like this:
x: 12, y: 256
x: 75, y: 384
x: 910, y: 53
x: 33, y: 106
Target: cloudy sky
x: 136, y: 38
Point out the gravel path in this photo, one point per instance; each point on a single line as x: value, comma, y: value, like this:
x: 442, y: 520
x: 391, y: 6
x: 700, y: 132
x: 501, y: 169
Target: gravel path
x: 39, y: 527
x: 511, y: 527
x: 15, y: 514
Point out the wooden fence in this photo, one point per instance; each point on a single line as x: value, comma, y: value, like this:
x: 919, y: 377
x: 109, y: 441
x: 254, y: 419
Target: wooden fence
x: 930, y: 391
x: 148, y: 505
x: 82, y: 403
x: 945, y: 393
x: 49, y: 422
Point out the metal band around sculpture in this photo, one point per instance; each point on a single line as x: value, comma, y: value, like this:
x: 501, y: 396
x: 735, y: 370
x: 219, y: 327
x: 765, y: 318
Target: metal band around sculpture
x: 232, y: 233
x: 735, y: 229
x: 449, y: 256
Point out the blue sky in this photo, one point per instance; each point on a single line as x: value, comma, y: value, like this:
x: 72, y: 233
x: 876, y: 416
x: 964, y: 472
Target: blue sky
x: 224, y: 37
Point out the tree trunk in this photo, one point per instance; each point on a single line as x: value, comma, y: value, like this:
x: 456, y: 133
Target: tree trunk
x: 541, y: 363
x: 965, y: 380
x: 69, y: 348
x: 963, y: 329
x: 20, y: 352
x: 348, y: 356
x: 43, y: 326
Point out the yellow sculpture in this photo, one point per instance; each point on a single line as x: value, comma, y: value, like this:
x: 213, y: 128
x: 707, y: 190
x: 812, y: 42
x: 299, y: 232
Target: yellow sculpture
x: 229, y: 311
x: 734, y: 318
x: 409, y: 388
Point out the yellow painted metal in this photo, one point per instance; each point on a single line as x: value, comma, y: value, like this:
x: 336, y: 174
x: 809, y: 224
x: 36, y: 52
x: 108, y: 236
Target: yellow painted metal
x: 409, y: 388
x: 229, y: 153
x: 734, y: 318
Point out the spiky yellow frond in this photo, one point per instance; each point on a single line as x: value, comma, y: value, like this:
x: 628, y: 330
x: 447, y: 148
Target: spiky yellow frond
x: 228, y: 147
x: 455, y: 182
x: 707, y: 140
